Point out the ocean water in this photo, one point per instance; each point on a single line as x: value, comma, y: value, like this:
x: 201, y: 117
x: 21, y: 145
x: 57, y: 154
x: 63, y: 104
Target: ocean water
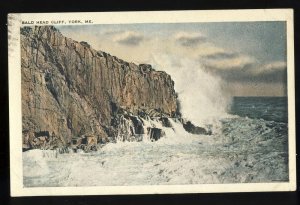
x: 267, y: 108
x: 248, y: 145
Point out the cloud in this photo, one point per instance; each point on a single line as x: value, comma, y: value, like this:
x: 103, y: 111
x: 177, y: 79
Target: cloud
x: 222, y: 55
x: 209, y: 50
x: 269, y: 68
x: 189, y: 39
x: 227, y: 61
x: 272, y: 72
x: 129, y: 38
x: 112, y: 32
x: 236, y: 67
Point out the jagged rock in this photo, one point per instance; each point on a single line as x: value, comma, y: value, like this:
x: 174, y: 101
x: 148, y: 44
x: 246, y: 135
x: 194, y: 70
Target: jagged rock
x: 165, y: 122
x: 191, y: 128
x: 71, y: 89
x: 145, y: 69
x: 85, y: 44
x: 155, y: 133
x: 138, y: 125
x: 85, y: 142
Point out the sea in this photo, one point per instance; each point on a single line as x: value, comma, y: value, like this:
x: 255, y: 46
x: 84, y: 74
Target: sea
x: 267, y: 108
x: 248, y: 145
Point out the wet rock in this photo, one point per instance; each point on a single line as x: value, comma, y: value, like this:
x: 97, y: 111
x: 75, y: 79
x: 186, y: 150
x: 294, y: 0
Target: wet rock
x: 155, y: 133
x: 191, y: 128
x: 138, y: 125
x: 165, y: 122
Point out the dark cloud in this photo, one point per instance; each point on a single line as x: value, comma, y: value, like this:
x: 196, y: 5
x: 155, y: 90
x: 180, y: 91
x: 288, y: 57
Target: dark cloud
x: 130, y: 39
x: 220, y: 62
x: 236, y: 67
x: 275, y: 76
x: 222, y: 55
x: 245, y: 74
x: 189, y: 40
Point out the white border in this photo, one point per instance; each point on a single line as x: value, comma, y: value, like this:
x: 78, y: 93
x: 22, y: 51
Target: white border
x: 15, y: 120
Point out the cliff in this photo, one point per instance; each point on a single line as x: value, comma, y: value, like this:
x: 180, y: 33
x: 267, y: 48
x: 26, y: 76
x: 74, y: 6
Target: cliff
x: 70, y: 89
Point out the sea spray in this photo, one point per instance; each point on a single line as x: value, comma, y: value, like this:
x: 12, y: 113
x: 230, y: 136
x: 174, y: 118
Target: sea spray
x: 202, y: 97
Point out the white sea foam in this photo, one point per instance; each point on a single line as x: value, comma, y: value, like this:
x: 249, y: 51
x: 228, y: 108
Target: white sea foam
x: 247, y: 151
x: 36, y: 165
x: 202, y: 97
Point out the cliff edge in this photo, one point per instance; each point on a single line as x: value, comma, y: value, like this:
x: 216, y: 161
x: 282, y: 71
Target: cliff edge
x: 71, y: 91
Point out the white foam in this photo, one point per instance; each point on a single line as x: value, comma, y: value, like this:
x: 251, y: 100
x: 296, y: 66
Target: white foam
x: 201, y: 94
x: 35, y: 164
x: 247, y: 151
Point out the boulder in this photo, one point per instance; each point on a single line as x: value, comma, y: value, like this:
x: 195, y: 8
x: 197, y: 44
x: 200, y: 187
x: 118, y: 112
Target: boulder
x: 155, y: 133
x: 191, y: 128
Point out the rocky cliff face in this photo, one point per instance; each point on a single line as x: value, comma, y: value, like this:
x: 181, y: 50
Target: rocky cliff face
x: 71, y: 89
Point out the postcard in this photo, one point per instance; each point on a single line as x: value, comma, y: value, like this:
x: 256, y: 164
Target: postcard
x: 151, y: 102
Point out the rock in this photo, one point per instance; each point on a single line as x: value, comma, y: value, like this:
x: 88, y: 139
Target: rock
x: 85, y: 44
x: 155, y: 133
x: 71, y: 89
x: 189, y: 127
x: 138, y: 125
x: 145, y: 69
x: 165, y: 122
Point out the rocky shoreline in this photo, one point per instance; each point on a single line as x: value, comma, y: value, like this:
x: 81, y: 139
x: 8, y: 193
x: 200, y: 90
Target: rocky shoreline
x: 74, y: 97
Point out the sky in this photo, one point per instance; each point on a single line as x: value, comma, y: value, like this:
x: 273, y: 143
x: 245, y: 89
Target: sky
x: 245, y: 58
